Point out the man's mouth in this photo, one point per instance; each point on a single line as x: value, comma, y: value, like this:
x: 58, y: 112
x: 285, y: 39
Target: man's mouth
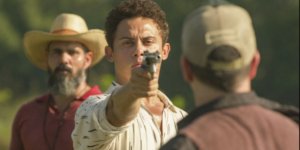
x: 138, y: 64
x: 62, y: 71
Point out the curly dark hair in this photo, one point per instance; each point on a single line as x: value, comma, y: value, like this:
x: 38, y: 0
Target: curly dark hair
x: 133, y: 9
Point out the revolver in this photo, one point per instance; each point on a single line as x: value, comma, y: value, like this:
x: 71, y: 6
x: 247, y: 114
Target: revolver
x: 150, y: 60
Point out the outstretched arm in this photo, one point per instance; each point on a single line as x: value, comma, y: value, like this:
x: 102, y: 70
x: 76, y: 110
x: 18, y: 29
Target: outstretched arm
x: 124, y: 103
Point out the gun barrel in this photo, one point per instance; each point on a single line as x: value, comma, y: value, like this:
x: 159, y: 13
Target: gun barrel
x: 150, y: 60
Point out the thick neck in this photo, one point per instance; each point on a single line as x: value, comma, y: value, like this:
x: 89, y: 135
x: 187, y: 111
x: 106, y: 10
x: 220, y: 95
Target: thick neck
x: 63, y: 102
x: 204, y: 94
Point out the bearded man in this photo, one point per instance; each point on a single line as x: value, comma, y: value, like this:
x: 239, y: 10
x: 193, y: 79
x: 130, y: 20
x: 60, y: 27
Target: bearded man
x: 67, y: 52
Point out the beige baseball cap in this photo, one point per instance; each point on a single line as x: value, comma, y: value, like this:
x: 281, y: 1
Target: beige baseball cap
x: 218, y: 23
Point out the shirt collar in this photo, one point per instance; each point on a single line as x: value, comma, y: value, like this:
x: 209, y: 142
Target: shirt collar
x: 237, y: 99
x: 43, y: 98
x: 93, y: 91
x: 166, y: 101
x: 168, y: 104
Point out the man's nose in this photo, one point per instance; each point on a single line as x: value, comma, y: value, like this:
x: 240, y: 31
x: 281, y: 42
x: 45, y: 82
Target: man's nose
x: 139, y: 50
x: 65, y: 58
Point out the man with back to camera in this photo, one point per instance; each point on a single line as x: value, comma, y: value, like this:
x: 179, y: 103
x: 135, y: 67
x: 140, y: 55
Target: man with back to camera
x: 219, y: 61
x: 133, y: 114
x: 46, y: 123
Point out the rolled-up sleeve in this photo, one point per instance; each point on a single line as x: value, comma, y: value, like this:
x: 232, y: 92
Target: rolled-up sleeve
x: 92, y: 129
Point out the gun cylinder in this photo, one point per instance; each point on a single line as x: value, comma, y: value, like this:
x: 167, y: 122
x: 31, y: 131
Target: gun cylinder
x: 149, y: 62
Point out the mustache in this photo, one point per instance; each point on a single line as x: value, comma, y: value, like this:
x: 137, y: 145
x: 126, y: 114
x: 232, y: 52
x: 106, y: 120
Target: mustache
x: 62, y: 68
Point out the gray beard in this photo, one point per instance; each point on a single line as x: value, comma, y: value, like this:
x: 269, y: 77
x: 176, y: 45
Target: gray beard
x: 65, y: 85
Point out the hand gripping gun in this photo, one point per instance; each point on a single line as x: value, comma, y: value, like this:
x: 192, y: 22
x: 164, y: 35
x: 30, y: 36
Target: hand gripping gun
x: 150, y: 60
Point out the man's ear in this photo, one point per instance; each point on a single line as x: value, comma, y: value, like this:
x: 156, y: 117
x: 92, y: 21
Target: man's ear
x: 88, y: 60
x: 109, y: 54
x: 165, y: 51
x: 255, y: 64
x: 186, y: 69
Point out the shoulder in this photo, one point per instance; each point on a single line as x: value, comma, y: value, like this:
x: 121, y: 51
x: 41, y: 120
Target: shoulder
x: 275, y: 117
x: 236, y: 116
x: 33, y: 107
x: 35, y: 103
x: 93, y: 102
x: 96, y: 98
x: 238, y: 122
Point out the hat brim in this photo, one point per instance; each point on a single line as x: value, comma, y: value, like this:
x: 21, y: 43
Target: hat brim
x: 36, y: 42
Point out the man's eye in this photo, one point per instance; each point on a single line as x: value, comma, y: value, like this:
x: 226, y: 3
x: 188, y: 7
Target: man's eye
x: 55, y: 52
x: 71, y: 52
x: 149, y: 42
x: 127, y: 43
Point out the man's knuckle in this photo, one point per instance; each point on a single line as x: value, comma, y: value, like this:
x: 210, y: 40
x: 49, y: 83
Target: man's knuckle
x: 150, y: 93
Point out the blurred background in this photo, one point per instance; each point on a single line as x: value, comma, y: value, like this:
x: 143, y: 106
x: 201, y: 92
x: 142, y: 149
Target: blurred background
x: 276, y: 24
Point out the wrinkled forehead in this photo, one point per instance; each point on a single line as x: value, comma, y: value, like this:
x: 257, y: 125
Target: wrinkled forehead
x: 138, y: 26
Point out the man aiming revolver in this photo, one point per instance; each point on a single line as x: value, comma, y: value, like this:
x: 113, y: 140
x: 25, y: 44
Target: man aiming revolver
x: 132, y: 114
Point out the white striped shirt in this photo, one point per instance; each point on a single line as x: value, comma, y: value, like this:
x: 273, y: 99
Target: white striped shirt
x: 94, y: 132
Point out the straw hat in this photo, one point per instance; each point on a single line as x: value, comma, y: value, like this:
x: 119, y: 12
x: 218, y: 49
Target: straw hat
x: 66, y: 27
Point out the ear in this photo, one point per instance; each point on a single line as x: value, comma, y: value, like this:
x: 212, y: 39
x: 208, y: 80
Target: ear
x: 165, y: 51
x: 88, y: 60
x: 186, y: 69
x: 109, y: 54
x: 255, y: 63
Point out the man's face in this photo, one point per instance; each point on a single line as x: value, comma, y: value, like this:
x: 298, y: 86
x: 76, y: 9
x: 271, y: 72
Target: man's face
x: 67, y: 63
x: 133, y: 37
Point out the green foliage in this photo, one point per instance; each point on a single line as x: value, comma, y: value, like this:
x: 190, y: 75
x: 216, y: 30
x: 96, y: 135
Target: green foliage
x: 106, y: 81
x: 9, y: 36
x: 5, y: 95
x: 6, y: 119
x: 179, y: 101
